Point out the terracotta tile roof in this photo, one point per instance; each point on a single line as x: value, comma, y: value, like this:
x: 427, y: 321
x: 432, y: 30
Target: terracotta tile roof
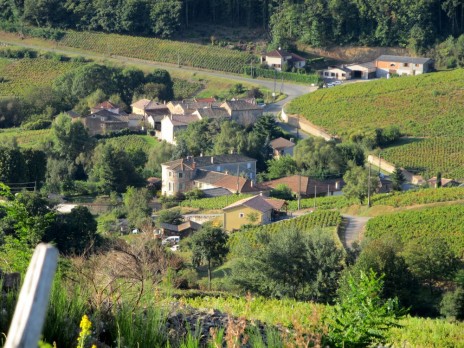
x: 433, y: 181
x: 231, y: 183
x: 257, y: 202
x: 281, y: 143
x: 105, y: 105
x: 135, y: 117
x: 278, y: 54
x: 277, y: 204
x: 205, y: 100
x: 308, y: 185
x: 141, y: 104
x: 297, y: 58
x: 73, y: 114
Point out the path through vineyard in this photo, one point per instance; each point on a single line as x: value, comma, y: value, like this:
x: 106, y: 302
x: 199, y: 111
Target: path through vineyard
x: 352, y: 229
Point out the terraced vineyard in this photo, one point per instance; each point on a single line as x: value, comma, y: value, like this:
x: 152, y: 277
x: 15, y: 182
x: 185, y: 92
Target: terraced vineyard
x: 429, y: 105
x: 21, y: 74
x: 447, y: 222
x: 429, y: 156
x: 164, y: 51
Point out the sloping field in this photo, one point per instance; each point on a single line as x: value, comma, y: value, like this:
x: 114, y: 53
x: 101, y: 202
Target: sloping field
x: 447, y: 222
x: 21, y: 74
x: 164, y: 51
x: 429, y: 106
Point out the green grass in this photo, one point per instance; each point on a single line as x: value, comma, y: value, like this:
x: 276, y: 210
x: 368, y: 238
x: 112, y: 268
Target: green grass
x: 20, y: 75
x: 444, y: 221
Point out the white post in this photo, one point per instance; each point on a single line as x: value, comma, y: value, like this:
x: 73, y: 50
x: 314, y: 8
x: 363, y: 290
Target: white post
x: 29, y: 315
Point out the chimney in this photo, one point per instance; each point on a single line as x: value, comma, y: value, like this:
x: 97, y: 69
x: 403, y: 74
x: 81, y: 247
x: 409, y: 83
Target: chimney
x: 212, y: 160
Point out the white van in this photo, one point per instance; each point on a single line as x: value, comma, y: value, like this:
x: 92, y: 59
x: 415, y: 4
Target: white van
x: 171, y: 240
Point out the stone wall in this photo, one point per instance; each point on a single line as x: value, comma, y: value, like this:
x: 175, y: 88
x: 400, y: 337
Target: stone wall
x: 305, y: 125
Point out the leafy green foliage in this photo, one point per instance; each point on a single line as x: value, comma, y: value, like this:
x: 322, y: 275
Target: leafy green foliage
x: 209, y: 245
x: 136, y: 202
x: 291, y: 263
x: 173, y: 217
x: 282, y: 191
x: 422, y: 225
x: 358, y: 183
x: 280, y: 167
x: 361, y: 317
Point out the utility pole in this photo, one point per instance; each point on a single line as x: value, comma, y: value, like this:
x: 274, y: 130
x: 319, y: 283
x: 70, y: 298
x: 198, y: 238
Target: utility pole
x: 299, y: 191
x: 328, y: 190
x: 380, y: 161
x: 369, y: 187
x: 315, y: 193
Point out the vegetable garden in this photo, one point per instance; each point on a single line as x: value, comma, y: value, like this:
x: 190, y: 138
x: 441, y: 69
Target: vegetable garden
x: 447, y: 221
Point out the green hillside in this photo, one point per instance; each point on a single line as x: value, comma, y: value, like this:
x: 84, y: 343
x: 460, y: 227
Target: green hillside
x: 19, y: 75
x: 422, y: 106
x: 428, y: 107
x: 447, y: 222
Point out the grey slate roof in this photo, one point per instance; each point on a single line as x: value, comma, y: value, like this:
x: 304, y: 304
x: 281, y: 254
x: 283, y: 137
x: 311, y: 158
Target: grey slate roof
x: 403, y: 59
x: 204, y: 161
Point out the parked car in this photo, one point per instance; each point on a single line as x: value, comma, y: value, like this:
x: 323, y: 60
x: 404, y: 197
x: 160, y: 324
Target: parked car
x: 330, y: 85
x: 173, y: 240
x: 337, y: 82
x: 135, y: 231
x: 175, y: 247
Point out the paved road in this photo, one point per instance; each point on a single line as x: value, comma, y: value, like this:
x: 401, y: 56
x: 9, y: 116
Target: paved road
x: 352, y: 231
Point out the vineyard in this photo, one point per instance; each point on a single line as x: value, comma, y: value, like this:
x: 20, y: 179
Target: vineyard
x: 24, y: 138
x: 422, y: 196
x: 332, y: 202
x: 429, y: 105
x: 213, y: 203
x: 428, y: 156
x: 447, y: 222
x: 18, y: 76
x: 305, y: 223
x: 423, y: 106
x: 164, y: 51
x: 133, y: 143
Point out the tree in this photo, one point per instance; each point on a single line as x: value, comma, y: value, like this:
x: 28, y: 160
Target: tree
x: 282, y: 191
x: 12, y: 165
x: 290, y: 263
x: 70, y: 138
x: 281, y: 167
x: 173, y: 217
x: 136, y: 202
x: 209, y: 245
x: 438, y: 185
x: 361, y: 317
x: 430, y: 259
x: 157, y: 155
x: 231, y: 138
x: 357, y: 183
x: 318, y: 157
x: 165, y: 17
x: 266, y: 127
x: 398, y: 178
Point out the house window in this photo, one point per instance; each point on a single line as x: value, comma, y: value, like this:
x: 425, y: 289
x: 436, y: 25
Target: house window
x: 326, y: 73
x: 181, y: 187
x: 248, y: 165
x: 181, y: 175
x: 170, y: 187
x: 241, y: 215
x: 417, y: 65
x: 405, y: 64
x: 343, y: 75
x: 170, y: 173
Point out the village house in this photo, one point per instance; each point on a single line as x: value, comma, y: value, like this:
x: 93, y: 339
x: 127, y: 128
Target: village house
x: 255, y: 210
x: 152, y: 112
x: 243, y: 112
x: 282, y: 147
x: 387, y: 65
x: 109, y: 106
x: 306, y: 186
x: 183, y: 230
x: 278, y: 58
x: 214, y: 183
x: 171, y: 125
x: 444, y: 182
x: 180, y: 175
x: 383, y: 66
x: 104, y: 122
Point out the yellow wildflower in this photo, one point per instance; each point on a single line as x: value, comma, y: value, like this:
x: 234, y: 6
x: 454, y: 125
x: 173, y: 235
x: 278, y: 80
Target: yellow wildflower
x: 85, y: 326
